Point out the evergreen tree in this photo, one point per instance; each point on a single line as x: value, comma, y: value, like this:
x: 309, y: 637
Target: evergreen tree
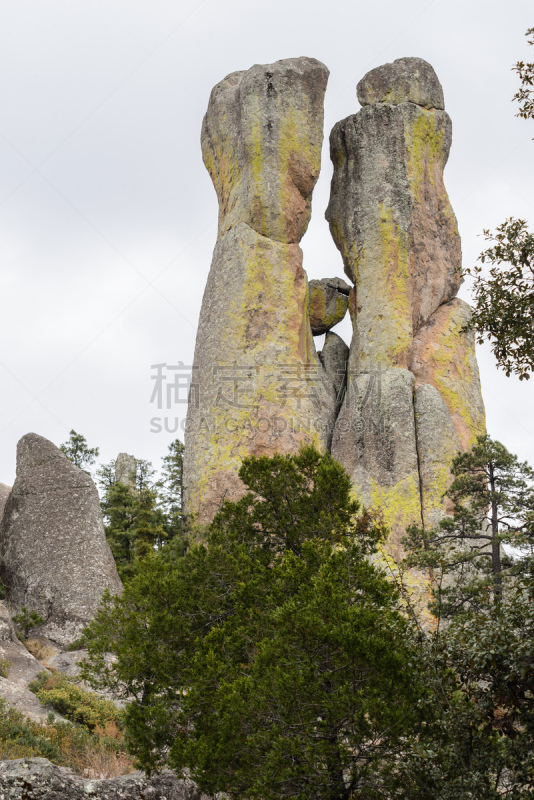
x: 477, y: 740
x: 274, y: 661
x: 170, y: 488
x: 134, y: 521
x: 78, y: 451
x: 493, y: 504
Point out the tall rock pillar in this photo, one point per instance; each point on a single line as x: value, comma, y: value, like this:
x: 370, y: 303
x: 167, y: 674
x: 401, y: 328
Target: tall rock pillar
x: 413, y: 394
x: 258, y: 386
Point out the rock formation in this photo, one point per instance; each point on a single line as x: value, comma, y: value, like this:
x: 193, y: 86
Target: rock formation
x: 38, y: 779
x: 413, y: 393
x: 126, y: 469
x: 328, y: 303
x: 22, y: 666
x: 258, y: 385
x: 4, y: 494
x: 397, y: 406
x: 54, y: 557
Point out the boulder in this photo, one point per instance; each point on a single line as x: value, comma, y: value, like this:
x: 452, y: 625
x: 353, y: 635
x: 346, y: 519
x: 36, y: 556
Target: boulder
x: 54, y: 557
x: 327, y: 304
x: 258, y: 385
x: 38, y: 779
x: 406, y: 80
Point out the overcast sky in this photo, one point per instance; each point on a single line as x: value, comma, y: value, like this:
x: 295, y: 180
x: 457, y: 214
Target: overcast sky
x: 108, y: 217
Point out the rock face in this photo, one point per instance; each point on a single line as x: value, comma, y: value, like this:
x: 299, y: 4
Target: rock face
x: 22, y: 666
x: 390, y: 215
x: 4, y: 494
x: 54, y: 557
x: 125, y: 469
x: 258, y: 385
x: 38, y: 779
x: 413, y: 394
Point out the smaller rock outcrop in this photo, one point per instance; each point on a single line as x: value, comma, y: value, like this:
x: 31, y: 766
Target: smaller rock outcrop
x: 38, y: 779
x: 126, y: 469
x: 21, y: 665
x: 54, y: 557
x: 327, y: 304
x: 4, y: 494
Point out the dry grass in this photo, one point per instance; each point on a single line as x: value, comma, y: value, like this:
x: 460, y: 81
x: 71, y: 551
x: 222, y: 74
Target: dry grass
x: 98, y: 763
x: 95, y: 755
x: 40, y: 649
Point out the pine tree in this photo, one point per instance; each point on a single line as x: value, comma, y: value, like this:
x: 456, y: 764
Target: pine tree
x: 493, y: 505
x: 77, y: 450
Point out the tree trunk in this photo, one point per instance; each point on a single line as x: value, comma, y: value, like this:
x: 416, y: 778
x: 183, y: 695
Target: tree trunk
x: 495, y: 541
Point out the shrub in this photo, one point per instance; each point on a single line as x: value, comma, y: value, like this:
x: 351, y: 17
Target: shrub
x: 75, y: 703
x: 26, y: 620
x: 100, y: 755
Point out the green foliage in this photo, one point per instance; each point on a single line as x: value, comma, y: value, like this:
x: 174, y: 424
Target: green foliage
x: 26, y: 620
x: 145, y: 518
x: 525, y: 95
x: 4, y: 668
x: 62, y: 743
x: 134, y: 525
x: 73, y: 702
x: 493, y: 498
x: 273, y: 661
x: 171, y: 490
x: 503, y: 308
x: 477, y: 742
x: 77, y: 450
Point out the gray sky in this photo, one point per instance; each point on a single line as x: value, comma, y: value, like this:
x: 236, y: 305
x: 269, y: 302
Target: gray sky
x: 108, y: 217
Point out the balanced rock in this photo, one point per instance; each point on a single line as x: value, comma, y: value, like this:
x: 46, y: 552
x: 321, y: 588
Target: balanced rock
x: 258, y: 385
x: 54, y: 557
x: 328, y: 303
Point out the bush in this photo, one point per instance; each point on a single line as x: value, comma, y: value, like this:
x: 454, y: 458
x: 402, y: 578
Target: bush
x: 98, y: 755
x: 75, y: 703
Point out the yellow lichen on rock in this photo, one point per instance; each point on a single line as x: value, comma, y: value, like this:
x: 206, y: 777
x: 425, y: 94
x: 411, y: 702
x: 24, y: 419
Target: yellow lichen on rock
x: 444, y: 356
x: 258, y: 385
